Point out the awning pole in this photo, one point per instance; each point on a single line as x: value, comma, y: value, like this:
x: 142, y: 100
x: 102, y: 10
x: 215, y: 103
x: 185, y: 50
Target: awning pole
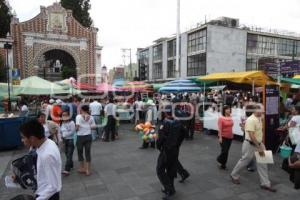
x: 253, y: 88
x: 203, y: 99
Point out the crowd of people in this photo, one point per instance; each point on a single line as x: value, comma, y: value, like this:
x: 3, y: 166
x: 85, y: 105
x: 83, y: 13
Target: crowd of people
x: 75, y: 123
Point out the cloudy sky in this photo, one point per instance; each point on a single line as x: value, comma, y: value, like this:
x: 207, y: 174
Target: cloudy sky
x: 136, y: 23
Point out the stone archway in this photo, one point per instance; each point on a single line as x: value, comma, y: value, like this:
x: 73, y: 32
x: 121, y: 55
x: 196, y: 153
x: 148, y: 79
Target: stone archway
x: 51, y: 56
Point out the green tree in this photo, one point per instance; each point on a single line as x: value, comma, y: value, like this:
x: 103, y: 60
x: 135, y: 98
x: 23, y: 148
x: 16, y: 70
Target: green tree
x: 3, y: 75
x: 5, y: 17
x: 80, y: 10
x: 68, y: 72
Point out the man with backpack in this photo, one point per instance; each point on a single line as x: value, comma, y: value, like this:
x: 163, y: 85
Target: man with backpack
x: 48, y: 166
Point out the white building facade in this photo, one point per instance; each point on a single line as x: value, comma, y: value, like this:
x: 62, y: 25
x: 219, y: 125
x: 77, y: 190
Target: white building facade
x: 217, y: 46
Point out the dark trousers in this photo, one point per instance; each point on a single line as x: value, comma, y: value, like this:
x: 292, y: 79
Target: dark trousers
x: 225, y: 146
x: 84, y: 143
x: 69, y: 150
x: 166, y: 168
x: 146, y: 144
x: 180, y: 170
x: 191, y: 128
x: 54, y: 197
x: 294, y: 173
x: 110, y: 128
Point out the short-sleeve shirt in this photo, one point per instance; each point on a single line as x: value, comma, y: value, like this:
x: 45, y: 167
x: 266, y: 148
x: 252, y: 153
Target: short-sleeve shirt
x: 295, y: 119
x: 254, y: 124
x: 110, y: 109
x: 84, y: 125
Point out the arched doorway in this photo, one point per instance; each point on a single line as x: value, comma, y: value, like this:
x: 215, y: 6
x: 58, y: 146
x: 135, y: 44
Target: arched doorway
x: 57, y: 64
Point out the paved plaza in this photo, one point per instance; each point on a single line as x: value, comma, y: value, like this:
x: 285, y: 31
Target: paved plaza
x: 121, y: 171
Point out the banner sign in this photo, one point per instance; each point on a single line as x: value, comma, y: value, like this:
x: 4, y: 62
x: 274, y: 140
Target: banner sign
x: 16, y: 76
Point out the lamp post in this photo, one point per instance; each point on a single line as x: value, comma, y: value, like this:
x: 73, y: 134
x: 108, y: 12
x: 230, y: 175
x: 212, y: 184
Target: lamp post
x: 7, y: 47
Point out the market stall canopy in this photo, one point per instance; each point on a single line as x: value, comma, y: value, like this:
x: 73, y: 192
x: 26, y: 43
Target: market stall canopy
x: 294, y: 81
x: 85, y: 86
x: 104, y: 87
x: 138, y: 86
x: 258, y: 77
x: 157, y: 86
x: 37, y: 86
x: 4, y: 92
x: 182, y: 85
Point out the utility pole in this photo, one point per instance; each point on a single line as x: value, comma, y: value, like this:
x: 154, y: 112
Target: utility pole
x: 8, y: 46
x: 130, y: 60
x: 177, y: 41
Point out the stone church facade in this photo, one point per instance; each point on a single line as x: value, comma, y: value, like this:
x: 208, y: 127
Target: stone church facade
x: 54, y: 28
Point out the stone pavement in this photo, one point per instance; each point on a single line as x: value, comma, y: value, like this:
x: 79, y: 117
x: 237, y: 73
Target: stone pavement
x: 121, y: 171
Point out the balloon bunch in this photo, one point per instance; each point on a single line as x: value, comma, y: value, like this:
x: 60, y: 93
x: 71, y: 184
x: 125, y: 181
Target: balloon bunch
x: 147, y: 131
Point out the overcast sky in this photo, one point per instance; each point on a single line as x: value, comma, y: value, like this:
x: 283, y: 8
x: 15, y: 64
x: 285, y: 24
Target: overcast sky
x: 136, y: 23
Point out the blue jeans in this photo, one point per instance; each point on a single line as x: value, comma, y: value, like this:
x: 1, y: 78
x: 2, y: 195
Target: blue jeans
x: 69, y: 149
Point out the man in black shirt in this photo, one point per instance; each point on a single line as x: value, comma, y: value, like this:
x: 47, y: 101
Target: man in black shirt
x: 170, y: 138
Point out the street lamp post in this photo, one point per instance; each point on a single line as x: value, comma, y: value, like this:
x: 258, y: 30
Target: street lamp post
x: 8, y: 46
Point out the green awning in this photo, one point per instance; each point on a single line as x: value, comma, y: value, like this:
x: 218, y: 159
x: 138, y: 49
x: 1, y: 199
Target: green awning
x: 290, y: 81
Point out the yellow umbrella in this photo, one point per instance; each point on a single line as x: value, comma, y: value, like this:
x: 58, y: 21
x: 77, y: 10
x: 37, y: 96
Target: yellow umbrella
x: 296, y: 77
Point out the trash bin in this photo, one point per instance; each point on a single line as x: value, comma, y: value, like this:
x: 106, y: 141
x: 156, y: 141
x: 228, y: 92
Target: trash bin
x: 9, y: 133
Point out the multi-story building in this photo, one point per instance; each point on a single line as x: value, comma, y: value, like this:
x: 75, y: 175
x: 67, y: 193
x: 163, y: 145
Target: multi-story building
x: 220, y: 45
x: 131, y: 72
x: 117, y: 73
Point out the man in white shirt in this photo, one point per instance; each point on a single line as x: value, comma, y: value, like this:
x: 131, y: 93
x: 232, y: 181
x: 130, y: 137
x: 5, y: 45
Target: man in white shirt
x: 48, y: 161
x: 95, y: 109
x: 110, y: 128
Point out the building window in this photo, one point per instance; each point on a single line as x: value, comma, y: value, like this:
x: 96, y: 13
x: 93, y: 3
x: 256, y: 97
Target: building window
x: 286, y: 47
x: 266, y: 45
x: 157, y: 53
x: 298, y: 49
x: 259, y: 44
x: 171, y: 68
x: 157, y: 70
x: 196, y: 65
x: 144, y: 64
x: 172, y: 48
x: 197, y: 41
x: 251, y: 63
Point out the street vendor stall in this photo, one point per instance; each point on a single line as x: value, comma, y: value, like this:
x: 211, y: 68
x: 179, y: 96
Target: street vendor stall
x: 211, y: 120
x: 125, y: 112
x: 9, y: 131
x: 270, y: 94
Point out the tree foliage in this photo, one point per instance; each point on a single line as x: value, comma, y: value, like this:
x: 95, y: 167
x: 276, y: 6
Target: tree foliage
x: 80, y: 10
x: 2, y: 71
x: 5, y: 18
x: 68, y: 72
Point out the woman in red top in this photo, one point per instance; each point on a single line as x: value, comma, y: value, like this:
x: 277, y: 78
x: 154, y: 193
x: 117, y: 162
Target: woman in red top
x: 225, y: 124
